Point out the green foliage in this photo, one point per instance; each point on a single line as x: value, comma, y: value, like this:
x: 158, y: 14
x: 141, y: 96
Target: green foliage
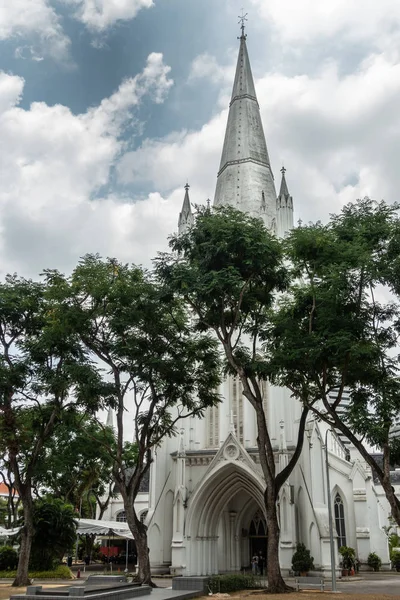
x: 55, y: 533
x: 228, y: 268
x: 331, y: 330
x: 3, y: 511
x: 348, y: 557
x: 394, y: 542
x: 225, y: 584
x: 80, y: 453
x: 135, y: 327
x: 8, y: 558
x: 302, y: 561
x: 374, y: 561
x: 61, y: 572
x: 395, y: 558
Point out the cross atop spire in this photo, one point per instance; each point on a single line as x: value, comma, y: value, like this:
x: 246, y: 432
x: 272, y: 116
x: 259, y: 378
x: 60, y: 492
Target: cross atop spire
x: 242, y: 19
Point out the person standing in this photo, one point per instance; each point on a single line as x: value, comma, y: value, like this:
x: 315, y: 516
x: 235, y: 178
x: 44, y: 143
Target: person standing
x: 254, y: 564
x: 261, y: 564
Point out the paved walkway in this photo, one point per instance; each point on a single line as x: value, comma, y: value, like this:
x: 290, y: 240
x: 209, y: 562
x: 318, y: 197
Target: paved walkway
x: 367, y: 583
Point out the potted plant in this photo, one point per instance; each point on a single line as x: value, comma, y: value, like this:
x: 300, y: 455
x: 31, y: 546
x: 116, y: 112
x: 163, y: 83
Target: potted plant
x: 302, y: 561
x: 348, y: 559
x: 374, y: 561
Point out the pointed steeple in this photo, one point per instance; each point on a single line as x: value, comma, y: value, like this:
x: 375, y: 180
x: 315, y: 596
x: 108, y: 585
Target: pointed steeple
x: 185, y: 216
x: 284, y: 188
x: 245, y: 179
x: 284, y: 208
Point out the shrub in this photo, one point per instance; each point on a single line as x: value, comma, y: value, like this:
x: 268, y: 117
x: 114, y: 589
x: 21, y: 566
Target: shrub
x: 55, y: 533
x: 348, y: 557
x: 395, y: 558
x: 62, y: 572
x: 374, y: 561
x: 8, y: 558
x: 302, y: 561
x: 232, y: 583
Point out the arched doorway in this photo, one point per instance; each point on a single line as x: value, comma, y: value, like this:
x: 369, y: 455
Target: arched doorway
x: 258, y: 535
x: 217, y: 525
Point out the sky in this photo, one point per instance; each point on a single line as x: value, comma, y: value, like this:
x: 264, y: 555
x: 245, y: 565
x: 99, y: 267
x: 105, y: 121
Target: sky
x: 108, y: 107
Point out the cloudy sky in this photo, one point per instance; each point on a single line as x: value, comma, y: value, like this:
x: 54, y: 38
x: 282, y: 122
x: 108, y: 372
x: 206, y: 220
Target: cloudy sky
x: 107, y: 107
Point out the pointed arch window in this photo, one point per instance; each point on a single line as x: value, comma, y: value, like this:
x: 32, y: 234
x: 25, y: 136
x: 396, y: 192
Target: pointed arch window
x: 258, y: 527
x: 339, y: 521
x: 213, y: 427
x: 121, y: 516
x: 237, y: 406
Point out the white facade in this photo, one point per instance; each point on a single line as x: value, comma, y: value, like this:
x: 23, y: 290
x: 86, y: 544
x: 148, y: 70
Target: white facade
x: 206, y: 507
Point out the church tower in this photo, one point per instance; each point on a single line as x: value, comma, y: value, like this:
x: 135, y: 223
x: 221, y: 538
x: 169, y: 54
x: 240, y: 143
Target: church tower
x: 284, y: 208
x: 185, y: 216
x: 245, y: 180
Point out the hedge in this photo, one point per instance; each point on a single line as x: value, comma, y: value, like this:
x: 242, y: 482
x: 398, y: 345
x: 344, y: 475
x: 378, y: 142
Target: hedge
x: 232, y: 583
x: 61, y: 572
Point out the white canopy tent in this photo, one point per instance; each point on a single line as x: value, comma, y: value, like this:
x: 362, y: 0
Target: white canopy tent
x: 9, y: 532
x: 93, y: 526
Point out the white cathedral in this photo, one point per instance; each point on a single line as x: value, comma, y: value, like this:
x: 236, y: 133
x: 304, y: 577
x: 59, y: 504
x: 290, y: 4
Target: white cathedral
x: 204, y: 508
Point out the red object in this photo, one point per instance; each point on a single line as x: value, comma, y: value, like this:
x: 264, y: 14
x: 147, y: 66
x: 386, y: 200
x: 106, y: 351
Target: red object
x: 78, y: 575
x: 109, y: 551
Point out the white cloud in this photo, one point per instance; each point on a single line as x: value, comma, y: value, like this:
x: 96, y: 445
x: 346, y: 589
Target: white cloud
x: 52, y: 162
x: 206, y: 66
x: 37, y: 21
x: 101, y: 14
x: 169, y: 162
x: 310, y: 20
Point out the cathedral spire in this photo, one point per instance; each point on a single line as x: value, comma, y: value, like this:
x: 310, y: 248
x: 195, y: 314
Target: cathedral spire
x: 185, y: 216
x: 284, y: 207
x: 245, y: 179
x: 284, y: 188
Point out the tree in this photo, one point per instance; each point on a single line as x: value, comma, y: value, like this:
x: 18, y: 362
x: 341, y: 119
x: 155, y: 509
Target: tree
x: 55, y: 533
x: 75, y: 464
x: 229, y: 268
x: 337, y: 328
x: 160, y: 371
x: 43, y: 370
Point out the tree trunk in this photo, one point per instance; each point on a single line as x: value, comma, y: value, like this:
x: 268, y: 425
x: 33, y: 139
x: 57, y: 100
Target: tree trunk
x: 144, y: 572
x: 139, y: 531
x: 392, y: 499
x: 276, y: 584
x: 22, y: 577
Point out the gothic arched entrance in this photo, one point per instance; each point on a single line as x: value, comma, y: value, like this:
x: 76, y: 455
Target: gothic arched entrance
x: 217, y: 525
x: 258, y: 535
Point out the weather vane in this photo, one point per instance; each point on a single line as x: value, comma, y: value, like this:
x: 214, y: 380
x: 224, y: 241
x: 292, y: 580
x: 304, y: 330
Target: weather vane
x: 242, y: 19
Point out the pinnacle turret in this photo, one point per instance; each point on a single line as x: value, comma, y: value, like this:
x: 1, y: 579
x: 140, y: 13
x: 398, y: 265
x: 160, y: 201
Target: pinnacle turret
x: 284, y: 188
x: 185, y: 216
x: 245, y: 179
x: 284, y: 207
